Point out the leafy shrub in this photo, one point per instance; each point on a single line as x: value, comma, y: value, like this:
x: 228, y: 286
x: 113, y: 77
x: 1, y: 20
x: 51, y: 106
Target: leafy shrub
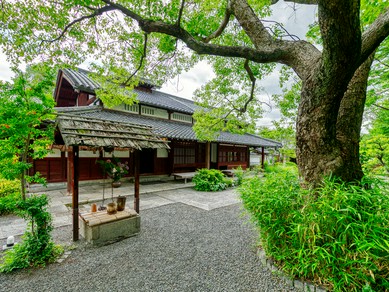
x: 37, y: 247
x: 280, y: 167
x: 257, y: 169
x: 210, y: 180
x: 239, y: 174
x: 8, y: 187
x: 8, y: 204
x: 337, y: 235
x: 9, y: 196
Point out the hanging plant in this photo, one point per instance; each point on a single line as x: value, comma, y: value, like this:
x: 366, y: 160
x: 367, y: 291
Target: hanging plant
x: 114, y: 168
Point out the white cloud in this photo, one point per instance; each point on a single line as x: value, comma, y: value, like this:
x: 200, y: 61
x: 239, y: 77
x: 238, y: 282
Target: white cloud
x: 189, y: 81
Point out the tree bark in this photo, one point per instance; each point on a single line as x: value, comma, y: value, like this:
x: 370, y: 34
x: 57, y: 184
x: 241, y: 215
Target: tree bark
x: 328, y: 127
x: 349, y: 123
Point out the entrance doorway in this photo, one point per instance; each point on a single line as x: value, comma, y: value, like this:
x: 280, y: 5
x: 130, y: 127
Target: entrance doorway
x: 147, y: 161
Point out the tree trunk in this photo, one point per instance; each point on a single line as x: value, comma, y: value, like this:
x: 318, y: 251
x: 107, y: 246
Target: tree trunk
x: 349, y: 122
x: 329, y: 124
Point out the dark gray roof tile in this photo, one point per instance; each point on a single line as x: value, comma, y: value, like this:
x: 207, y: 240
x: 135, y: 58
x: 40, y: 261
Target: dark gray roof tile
x: 170, y: 129
x: 79, y: 80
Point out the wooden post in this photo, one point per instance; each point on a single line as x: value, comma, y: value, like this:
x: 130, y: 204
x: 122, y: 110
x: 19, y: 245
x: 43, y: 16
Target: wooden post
x: 263, y: 157
x: 69, y: 170
x: 136, y: 183
x: 248, y: 157
x: 208, y: 155
x: 74, y: 182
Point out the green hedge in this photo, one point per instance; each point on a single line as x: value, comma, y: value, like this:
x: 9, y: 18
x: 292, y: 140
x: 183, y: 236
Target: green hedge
x: 337, y: 236
x: 210, y: 180
x: 9, y: 196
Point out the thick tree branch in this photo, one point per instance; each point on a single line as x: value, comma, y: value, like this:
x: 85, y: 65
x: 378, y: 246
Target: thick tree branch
x: 299, y: 55
x: 374, y: 35
x: 276, y: 53
x: 250, y: 22
x: 121, y: 8
x: 220, y: 29
x: 97, y: 12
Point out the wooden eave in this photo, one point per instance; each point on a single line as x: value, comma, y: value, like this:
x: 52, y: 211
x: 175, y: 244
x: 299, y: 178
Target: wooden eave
x: 93, y: 132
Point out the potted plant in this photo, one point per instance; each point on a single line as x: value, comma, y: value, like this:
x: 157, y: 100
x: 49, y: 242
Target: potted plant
x: 114, y: 169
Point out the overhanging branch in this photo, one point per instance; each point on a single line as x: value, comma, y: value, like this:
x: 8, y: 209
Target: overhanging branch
x: 180, y: 13
x: 221, y: 28
x: 96, y: 12
x: 380, y: 106
x: 374, y: 35
x: 140, y: 62
x: 252, y: 79
x: 267, y: 54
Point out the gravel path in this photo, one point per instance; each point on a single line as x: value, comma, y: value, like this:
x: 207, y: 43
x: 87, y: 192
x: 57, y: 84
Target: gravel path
x: 180, y: 248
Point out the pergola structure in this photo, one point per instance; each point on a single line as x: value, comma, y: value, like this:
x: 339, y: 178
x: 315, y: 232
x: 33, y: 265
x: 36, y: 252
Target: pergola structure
x: 98, y: 134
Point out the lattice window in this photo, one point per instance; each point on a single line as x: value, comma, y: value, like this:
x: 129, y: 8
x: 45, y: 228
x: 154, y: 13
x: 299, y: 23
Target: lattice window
x: 232, y: 154
x: 181, y: 117
x: 132, y: 108
x: 148, y: 111
x: 185, y: 153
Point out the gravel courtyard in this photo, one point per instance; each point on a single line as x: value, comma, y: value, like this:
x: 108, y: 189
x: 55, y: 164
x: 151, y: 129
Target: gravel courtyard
x: 180, y: 248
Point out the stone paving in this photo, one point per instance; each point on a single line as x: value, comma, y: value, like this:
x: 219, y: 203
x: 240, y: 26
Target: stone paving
x: 152, y: 195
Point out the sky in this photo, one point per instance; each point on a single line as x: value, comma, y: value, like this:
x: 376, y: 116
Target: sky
x: 295, y: 19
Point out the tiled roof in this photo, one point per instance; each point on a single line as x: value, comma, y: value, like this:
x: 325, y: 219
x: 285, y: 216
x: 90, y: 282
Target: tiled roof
x: 79, y: 80
x: 167, y: 128
x: 167, y: 101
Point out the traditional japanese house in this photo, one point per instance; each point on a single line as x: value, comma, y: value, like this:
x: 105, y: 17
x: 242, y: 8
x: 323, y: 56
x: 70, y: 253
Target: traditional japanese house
x: 169, y: 116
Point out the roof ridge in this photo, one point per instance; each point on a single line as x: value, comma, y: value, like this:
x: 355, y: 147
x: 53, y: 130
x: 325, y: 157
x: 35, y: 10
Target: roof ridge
x: 267, y: 139
x: 146, y: 117
x: 178, y: 99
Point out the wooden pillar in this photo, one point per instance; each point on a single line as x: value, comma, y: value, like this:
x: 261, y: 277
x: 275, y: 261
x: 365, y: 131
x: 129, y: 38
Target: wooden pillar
x: 64, y: 167
x: 208, y: 155
x: 136, y: 183
x: 75, y: 175
x: 69, y: 162
x: 263, y: 157
x: 248, y: 157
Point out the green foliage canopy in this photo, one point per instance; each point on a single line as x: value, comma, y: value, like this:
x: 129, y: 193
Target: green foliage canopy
x: 25, y: 107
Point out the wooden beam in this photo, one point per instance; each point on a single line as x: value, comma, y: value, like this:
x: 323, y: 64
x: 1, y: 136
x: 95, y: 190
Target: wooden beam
x: 136, y: 176
x: 208, y: 155
x: 263, y: 157
x: 248, y: 157
x: 75, y: 176
x: 70, y: 165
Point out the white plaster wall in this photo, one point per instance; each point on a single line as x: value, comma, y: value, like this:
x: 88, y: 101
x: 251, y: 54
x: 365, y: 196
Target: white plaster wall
x: 89, y: 154
x: 54, y: 153
x: 255, y: 159
x: 119, y: 154
x: 162, y: 153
